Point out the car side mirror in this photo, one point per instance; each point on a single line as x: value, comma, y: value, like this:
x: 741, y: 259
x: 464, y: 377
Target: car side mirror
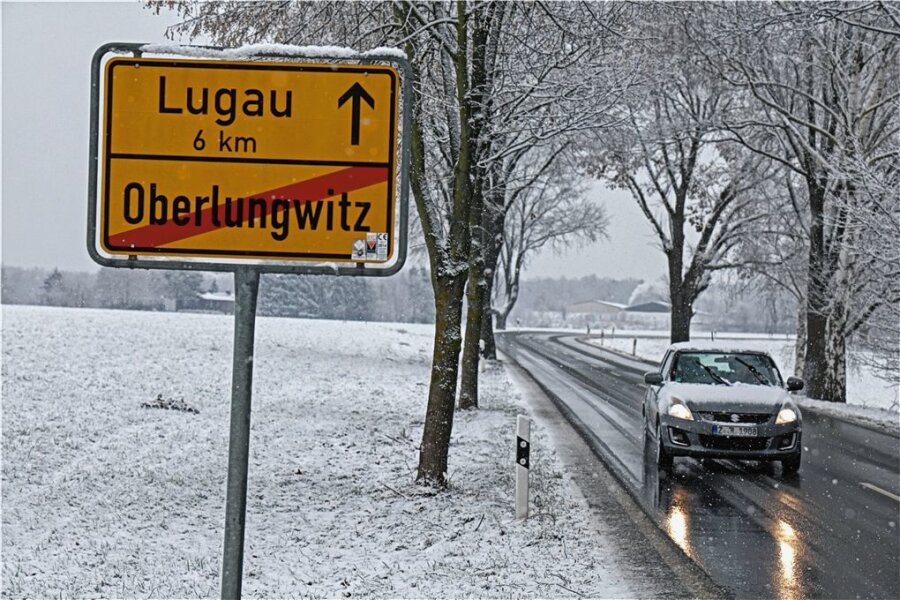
x: 794, y: 384
x: 653, y: 378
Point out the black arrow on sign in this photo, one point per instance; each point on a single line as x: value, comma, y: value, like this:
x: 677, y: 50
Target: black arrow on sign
x: 356, y: 93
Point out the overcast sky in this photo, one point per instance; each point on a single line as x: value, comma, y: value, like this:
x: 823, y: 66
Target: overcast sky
x: 46, y: 56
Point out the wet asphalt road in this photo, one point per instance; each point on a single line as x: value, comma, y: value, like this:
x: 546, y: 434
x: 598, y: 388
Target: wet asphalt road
x: 831, y: 531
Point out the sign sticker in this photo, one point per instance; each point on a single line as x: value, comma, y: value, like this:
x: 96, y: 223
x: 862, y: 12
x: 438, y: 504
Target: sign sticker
x: 359, y: 250
x: 374, y: 247
x: 382, y: 246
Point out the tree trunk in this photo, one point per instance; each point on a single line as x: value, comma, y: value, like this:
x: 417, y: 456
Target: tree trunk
x: 800, y: 343
x: 816, y: 296
x: 468, y: 387
x: 448, y: 293
x: 488, y: 341
x: 681, y: 314
x: 494, y: 218
x: 501, y: 320
x: 478, y: 108
x: 449, y: 273
x: 681, y: 310
x: 835, y: 371
x: 475, y: 293
x: 814, y: 362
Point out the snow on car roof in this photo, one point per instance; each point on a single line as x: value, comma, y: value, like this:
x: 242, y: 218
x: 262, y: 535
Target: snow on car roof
x: 711, y: 346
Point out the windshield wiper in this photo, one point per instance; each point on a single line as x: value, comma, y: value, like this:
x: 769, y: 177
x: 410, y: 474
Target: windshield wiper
x: 753, y: 371
x: 716, y: 377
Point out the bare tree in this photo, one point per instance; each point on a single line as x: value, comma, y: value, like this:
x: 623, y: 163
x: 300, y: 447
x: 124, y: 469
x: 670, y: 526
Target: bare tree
x: 549, y: 208
x: 436, y: 41
x: 435, y: 37
x: 823, y: 80
x: 489, y: 22
x: 774, y: 255
x: 693, y: 190
x: 547, y: 75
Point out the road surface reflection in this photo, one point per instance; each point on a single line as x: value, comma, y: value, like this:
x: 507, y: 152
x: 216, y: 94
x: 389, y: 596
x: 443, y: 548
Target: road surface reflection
x: 695, y: 503
x: 677, y: 522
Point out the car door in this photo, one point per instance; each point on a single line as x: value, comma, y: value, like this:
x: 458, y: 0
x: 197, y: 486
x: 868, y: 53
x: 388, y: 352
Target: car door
x: 651, y: 397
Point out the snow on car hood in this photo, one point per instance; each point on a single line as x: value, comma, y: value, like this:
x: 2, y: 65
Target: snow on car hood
x: 735, y: 397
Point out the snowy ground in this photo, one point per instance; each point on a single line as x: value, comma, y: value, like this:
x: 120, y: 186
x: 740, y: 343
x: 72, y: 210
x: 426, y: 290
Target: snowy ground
x: 101, y: 497
x: 864, y: 389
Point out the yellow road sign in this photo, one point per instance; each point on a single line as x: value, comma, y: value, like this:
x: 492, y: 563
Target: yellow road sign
x: 260, y: 160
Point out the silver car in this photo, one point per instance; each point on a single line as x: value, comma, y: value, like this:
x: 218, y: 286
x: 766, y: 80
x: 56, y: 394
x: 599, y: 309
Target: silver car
x: 718, y: 402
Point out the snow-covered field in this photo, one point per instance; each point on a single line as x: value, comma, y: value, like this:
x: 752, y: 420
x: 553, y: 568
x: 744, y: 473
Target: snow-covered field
x: 101, y: 497
x: 864, y: 389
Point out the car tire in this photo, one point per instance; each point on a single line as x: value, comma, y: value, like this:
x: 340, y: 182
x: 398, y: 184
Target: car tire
x: 791, y: 464
x: 663, y: 459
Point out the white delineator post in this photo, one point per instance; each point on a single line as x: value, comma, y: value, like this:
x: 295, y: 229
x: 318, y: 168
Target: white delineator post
x: 523, y: 463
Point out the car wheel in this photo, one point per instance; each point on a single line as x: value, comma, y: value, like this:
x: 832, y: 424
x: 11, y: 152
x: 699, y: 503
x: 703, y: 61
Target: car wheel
x: 791, y: 464
x: 663, y: 458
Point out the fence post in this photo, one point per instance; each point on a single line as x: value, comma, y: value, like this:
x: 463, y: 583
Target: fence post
x: 634, y: 347
x: 523, y: 464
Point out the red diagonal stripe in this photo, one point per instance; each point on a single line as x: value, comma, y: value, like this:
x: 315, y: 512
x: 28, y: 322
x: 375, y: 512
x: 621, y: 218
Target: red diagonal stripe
x: 318, y: 188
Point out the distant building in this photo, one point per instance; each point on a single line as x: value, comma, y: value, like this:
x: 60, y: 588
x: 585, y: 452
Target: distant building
x: 653, y: 314
x: 595, y: 307
x: 594, y: 313
x: 654, y: 306
x: 220, y: 302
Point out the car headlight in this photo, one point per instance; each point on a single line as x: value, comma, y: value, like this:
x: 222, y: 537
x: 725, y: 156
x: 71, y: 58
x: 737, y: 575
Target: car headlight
x: 680, y: 411
x: 786, y: 415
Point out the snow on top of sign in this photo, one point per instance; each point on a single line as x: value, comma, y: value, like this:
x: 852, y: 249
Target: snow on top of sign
x: 254, y: 50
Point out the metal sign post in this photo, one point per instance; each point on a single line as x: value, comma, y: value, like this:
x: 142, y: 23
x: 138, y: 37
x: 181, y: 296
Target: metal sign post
x: 246, y: 282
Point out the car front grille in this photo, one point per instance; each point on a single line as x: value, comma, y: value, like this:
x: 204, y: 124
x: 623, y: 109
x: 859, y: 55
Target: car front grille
x: 725, y: 417
x: 715, y: 442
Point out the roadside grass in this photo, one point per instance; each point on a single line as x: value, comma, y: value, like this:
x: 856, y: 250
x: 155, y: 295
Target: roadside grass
x: 104, y: 498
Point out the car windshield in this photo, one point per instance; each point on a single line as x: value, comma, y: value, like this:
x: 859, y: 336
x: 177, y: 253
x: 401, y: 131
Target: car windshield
x: 725, y: 368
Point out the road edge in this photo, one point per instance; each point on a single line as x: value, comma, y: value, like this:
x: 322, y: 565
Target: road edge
x: 690, y: 575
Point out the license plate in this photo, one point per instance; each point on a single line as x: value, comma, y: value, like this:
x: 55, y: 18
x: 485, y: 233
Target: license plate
x: 734, y: 431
